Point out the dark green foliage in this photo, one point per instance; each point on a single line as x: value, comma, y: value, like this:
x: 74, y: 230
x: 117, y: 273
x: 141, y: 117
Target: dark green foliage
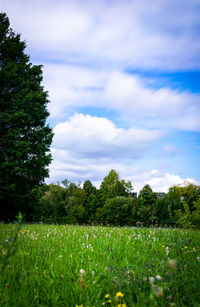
x: 118, y: 211
x: 75, y: 205
x: 77, y: 214
x: 146, y: 201
x: 187, y: 218
x: 183, y: 205
x: 25, y: 138
x: 161, y: 212
x: 54, y: 203
x: 91, y: 203
x: 174, y: 199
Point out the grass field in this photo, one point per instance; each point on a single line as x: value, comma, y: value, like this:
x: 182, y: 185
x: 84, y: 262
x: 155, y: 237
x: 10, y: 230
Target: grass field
x: 52, y: 265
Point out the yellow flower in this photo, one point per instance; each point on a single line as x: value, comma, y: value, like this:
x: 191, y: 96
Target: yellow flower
x: 107, y: 295
x: 121, y: 305
x: 80, y: 305
x: 119, y: 294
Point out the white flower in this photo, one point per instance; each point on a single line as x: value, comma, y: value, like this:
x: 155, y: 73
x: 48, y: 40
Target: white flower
x: 167, y: 250
x: 158, y: 277
x: 151, y: 279
x: 158, y: 292
x: 198, y: 258
x: 82, y: 272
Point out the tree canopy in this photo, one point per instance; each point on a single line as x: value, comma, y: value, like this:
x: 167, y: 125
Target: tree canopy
x: 25, y: 138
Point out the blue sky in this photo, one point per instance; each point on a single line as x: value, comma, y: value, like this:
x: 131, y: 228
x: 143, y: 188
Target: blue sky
x: 124, y: 86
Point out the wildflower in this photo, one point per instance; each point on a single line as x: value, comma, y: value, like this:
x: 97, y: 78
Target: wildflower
x: 158, y: 291
x: 151, y: 279
x: 158, y: 277
x: 83, y: 284
x: 82, y: 272
x: 79, y: 305
x: 121, y: 305
x: 107, y: 296
x: 198, y: 258
x: 167, y: 250
x: 119, y: 294
x: 169, y: 298
x: 92, y: 274
x: 172, y: 264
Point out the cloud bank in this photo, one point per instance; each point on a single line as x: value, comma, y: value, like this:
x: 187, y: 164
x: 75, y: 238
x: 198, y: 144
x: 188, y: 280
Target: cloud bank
x: 163, y: 35
x: 87, y: 147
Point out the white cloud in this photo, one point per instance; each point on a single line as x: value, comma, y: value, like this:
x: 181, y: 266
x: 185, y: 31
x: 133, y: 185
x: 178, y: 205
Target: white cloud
x: 135, y: 98
x: 70, y: 87
x: 87, y: 147
x: 160, y: 181
x: 163, y: 35
x: 159, y: 107
x: 84, y: 136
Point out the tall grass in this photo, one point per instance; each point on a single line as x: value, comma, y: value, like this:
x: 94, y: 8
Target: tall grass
x: 77, y: 265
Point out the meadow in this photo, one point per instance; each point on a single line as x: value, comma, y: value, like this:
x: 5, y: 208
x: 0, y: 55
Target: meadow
x: 63, y: 265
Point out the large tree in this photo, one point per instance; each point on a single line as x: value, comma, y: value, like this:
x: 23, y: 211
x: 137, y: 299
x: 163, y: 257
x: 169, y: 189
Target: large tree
x: 111, y: 186
x: 25, y: 138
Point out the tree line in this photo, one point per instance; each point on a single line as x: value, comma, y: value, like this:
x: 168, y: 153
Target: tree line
x: 113, y: 204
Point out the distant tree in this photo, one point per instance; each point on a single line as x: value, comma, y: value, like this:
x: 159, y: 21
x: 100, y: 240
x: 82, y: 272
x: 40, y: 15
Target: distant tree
x: 146, y: 202
x: 66, y: 183
x: 77, y: 214
x: 189, y: 193
x: 111, y: 186
x: 72, y: 188
x: 187, y: 219
x: 117, y: 189
x: 25, y: 138
x: 91, y: 202
x: 118, y: 211
x: 54, y: 203
x: 79, y: 196
x: 127, y: 186
x: 88, y: 187
x: 161, y: 212
x: 91, y: 206
x: 109, y: 181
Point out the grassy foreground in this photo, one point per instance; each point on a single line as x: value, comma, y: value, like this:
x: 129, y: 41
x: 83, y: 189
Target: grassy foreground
x: 52, y: 265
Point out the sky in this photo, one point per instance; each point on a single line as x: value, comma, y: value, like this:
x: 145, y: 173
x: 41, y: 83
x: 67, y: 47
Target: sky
x: 123, y: 78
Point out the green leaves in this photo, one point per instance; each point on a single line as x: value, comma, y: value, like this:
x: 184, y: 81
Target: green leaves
x: 25, y: 138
